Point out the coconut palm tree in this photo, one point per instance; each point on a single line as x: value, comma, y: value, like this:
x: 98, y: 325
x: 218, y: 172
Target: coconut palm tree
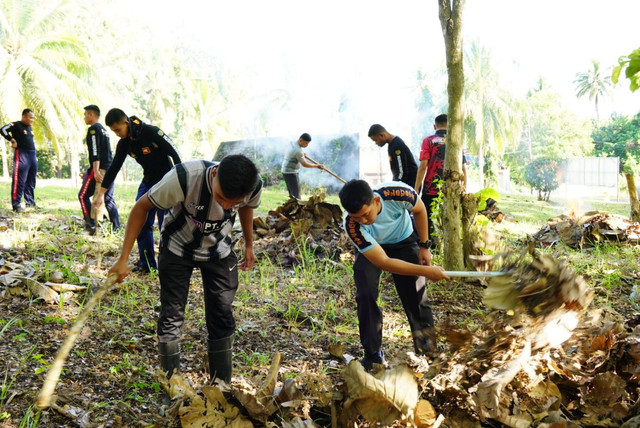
x: 492, y: 113
x: 42, y: 67
x: 594, y: 83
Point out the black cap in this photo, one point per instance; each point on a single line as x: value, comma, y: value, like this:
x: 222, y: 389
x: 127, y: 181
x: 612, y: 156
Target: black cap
x: 94, y: 108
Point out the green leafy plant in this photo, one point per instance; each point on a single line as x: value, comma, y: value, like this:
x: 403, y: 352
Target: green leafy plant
x: 631, y: 66
x: 485, y: 194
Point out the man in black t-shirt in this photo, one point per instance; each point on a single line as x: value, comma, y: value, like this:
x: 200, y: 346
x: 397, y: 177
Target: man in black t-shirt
x: 25, y: 164
x: 99, y: 161
x: 156, y: 154
x: 403, y: 165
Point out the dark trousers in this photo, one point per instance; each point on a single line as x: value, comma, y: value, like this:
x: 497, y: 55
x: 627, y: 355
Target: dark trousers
x: 427, y: 200
x: 411, y: 290
x: 87, y: 190
x: 145, y: 237
x: 293, y: 185
x: 219, y: 282
x: 23, y: 180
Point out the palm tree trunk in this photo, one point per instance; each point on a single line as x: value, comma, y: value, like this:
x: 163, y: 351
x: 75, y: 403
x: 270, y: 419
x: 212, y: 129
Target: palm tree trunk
x: 480, y: 141
x: 75, y: 162
x: 450, y: 13
x: 5, y: 166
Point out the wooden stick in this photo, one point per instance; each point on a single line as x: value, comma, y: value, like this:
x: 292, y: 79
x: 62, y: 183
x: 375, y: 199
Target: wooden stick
x: 325, y: 168
x: 50, y: 382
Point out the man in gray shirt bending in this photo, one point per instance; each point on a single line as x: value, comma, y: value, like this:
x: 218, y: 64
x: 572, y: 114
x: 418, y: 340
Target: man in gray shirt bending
x: 291, y: 165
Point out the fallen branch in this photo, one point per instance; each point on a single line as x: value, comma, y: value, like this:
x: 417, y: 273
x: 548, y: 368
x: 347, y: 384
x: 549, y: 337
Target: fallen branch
x: 50, y: 382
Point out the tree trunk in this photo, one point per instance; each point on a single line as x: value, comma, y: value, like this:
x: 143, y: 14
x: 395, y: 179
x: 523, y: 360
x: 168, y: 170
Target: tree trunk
x: 450, y: 13
x: 480, y: 142
x: 469, y: 211
x: 633, y: 198
x: 5, y: 164
x: 75, y: 162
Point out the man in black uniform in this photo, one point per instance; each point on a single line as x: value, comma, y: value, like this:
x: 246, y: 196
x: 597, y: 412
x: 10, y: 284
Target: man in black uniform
x: 154, y: 151
x: 403, y: 165
x: 99, y: 161
x: 202, y: 199
x: 25, y: 164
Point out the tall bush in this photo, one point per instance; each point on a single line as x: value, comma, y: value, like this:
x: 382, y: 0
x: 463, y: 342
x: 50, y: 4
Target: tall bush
x: 543, y: 175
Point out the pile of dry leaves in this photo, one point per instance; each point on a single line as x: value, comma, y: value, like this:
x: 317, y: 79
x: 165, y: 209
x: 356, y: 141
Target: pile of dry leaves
x: 537, y: 362
x: 298, y: 227
x: 586, y: 230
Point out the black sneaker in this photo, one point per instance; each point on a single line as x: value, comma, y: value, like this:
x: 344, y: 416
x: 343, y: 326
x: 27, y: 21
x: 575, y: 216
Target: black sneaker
x: 18, y: 209
x: 369, y: 360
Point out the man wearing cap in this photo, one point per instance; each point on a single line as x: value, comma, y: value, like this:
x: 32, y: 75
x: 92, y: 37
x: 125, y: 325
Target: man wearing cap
x: 25, y: 164
x: 291, y: 165
x: 156, y: 154
x: 99, y: 161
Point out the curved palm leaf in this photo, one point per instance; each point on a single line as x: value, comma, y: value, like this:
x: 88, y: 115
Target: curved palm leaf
x: 44, y: 68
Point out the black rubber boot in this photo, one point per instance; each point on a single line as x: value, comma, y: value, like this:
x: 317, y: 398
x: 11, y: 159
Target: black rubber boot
x: 169, y: 357
x: 220, y: 352
x: 90, y: 225
x: 424, y: 341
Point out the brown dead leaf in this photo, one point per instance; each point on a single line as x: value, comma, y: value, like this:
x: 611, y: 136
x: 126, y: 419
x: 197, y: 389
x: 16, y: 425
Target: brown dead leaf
x: 289, y: 395
x: 424, y: 414
x: 212, y: 410
x: 542, y: 397
x: 261, y: 405
x: 337, y: 350
x: 608, y: 388
x: 392, y: 396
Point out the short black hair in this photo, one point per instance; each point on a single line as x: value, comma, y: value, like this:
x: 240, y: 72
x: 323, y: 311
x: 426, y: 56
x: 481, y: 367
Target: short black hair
x: 93, y: 107
x: 237, y: 175
x: 114, y: 116
x: 26, y: 111
x: 355, y: 194
x: 441, y: 120
x: 376, y: 129
x: 306, y: 137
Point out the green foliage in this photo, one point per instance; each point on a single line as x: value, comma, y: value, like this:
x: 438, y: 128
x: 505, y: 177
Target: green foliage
x: 552, y: 130
x: 492, y: 115
x: 618, y: 137
x: 543, y: 175
x: 485, y: 194
x: 631, y: 66
x: 594, y: 83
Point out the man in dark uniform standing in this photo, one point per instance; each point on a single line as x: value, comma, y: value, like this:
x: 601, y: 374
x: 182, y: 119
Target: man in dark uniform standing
x: 403, y: 165
x: 99, y: 161
x: 202, y: 199
x: 25, y: 164
x: 154, y: 151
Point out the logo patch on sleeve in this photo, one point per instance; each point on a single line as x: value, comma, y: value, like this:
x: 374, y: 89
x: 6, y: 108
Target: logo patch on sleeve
x: 398, y: 152
x: 93, y: 131
x: 160, y: 133
x: 146, y: 150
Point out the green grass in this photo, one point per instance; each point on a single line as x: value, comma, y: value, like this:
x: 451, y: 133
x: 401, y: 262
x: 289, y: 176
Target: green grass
x: 61, y: 197
x: 298, y: 310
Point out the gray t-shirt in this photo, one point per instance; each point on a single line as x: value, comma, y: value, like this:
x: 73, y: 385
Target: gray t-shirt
x: 291, y: 162
x: 195, y: 226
